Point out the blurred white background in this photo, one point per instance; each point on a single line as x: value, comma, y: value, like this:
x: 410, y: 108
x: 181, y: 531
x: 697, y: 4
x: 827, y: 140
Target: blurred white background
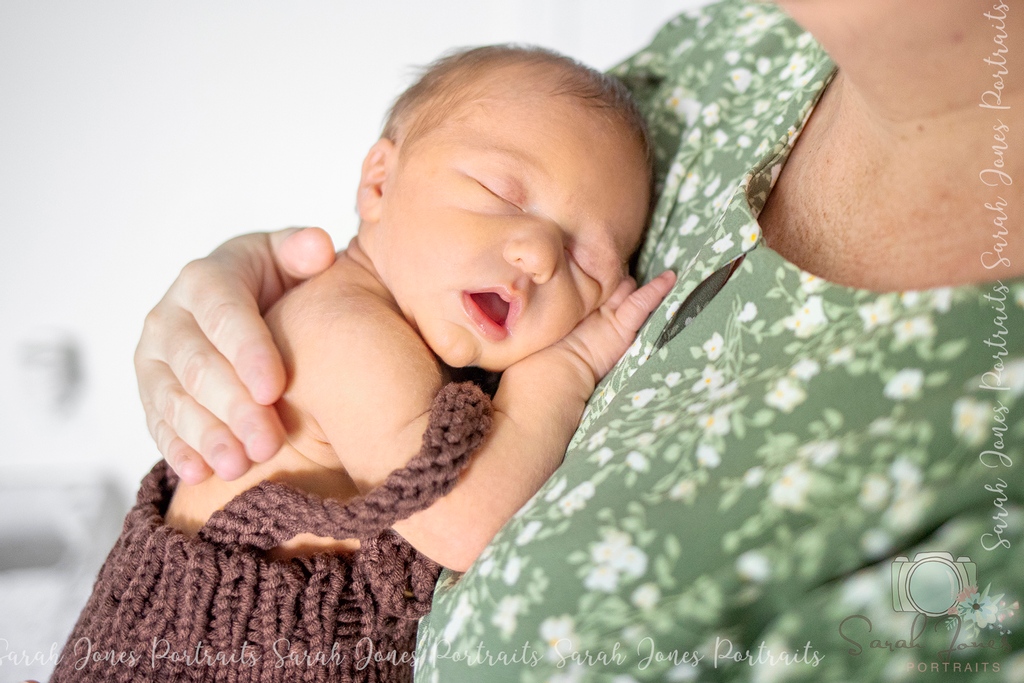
x: 136, y: 135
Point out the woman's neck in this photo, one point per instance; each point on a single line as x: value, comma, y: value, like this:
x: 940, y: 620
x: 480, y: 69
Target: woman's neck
x: 890, y: 183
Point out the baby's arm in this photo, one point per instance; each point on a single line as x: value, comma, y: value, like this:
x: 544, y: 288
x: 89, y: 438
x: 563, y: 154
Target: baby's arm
x: 538, y: 406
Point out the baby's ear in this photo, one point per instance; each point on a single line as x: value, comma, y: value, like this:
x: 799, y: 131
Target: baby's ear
x: 372, y: 181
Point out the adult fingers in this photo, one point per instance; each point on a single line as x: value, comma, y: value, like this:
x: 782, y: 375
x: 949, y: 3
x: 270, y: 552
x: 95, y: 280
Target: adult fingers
x: 225, y: 309
x: 301, y: 253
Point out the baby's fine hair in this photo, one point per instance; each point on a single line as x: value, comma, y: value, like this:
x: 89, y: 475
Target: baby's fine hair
x: 446, y: 82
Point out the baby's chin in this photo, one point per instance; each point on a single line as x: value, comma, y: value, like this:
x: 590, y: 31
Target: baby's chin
x: 471, y: 353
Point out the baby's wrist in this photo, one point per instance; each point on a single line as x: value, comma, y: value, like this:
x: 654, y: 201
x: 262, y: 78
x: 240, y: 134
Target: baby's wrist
x: 565, y: 355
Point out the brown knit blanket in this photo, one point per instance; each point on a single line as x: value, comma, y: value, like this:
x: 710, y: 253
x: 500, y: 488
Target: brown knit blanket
x: 167, y: 607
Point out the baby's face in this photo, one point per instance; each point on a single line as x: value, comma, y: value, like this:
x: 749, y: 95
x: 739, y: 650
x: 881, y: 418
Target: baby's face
x: 503, y: 227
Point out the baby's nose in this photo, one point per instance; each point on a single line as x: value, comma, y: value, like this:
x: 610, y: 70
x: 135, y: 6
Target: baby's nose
x: 536, y: 253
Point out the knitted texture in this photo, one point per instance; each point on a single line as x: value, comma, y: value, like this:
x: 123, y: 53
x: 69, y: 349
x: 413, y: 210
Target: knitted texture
x: 167, y: 607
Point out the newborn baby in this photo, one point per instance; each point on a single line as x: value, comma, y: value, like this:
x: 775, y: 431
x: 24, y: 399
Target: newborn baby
x: 498, y: 213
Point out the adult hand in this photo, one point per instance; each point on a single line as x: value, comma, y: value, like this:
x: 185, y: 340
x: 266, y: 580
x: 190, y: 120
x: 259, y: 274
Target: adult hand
x: 208, y: 370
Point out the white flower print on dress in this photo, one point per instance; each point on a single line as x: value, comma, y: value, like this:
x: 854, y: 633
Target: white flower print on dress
x: 672, y: 379
x: 748, y: 313
x: 560, y: 635
x: 662, y: 420
x: 709, y: 379
x: 689, y: 189
x: 528, y: 532
x: 597, y: 439
x: 723, y: 245
x: 726, y: 391
x: 602, y: 577
x: 512, y: 568
x: 795, y: 67
x: 708, y: 457
x: 753, y: 566
x: 459, y: 615
x: 876, y: 543
x: 505, y: 616
x: 671, y: 256
x: 646, y: 596
x: 714, y: 346
x: 686, y: 107
x: 907, y: 476
x: 741, y: 79
x: 753, y: 477
x: 576, y: 499
x: 637, y: 461
x: 881, y: 425
x: 785, y: 395
x: 642, y: 397
x: 632, y: 562
x: 603, y: 456
x: 905, y: 511
x: 710, y: 114
x: 807, y: 319
x: 749, y: 235
x: 683, y: 489
x: 971, y: 419
x: 790, y: 489
x: 942, y: 299
x: 556, y: 490
x: 717, y: 423
x: 878, y: 312
x: 918, y: 327
x: 874, y: 492
x: 841, y: 356
x: 688, y: 225
x: 820, y: 453
x: 805, y: 369
x: 905, y: 384
x: 613, y: 557
x: 810, y: 282
x: 1013, y: 376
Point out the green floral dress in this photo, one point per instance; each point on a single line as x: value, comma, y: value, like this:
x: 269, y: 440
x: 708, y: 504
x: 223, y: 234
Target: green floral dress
x: 751, y: 488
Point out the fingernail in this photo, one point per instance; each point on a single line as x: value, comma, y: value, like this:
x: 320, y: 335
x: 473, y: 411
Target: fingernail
x: 259, y: 445
x: 217, y: 454
x: 190, y: 471
x: 261, y: 386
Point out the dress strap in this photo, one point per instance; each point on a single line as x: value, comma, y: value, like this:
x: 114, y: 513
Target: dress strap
x: 270, y: 513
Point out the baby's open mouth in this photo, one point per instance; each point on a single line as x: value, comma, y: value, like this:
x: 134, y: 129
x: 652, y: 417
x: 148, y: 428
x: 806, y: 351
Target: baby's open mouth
x: 493, y: 306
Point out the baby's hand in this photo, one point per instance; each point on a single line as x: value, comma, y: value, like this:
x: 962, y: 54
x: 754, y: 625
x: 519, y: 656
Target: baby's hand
x: 600, y: 339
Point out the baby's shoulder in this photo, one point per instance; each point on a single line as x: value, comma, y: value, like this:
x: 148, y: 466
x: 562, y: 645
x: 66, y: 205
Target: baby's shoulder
x: 345, y: 308
x: 341, y: 336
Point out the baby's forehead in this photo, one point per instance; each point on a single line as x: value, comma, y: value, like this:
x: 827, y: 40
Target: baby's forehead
x: 534, y: 84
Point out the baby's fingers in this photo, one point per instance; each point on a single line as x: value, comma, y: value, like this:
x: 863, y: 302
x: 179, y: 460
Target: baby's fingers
x: 637, y: 305
x: 625, y: 288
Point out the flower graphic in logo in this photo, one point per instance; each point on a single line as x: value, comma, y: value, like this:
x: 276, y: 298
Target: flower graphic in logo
x: 978, y: 611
